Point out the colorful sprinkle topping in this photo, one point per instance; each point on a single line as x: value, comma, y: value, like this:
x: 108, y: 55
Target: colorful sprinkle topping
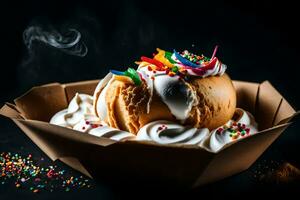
x: 182, y: 64
x: 26, y: 173
x: 90, y: 124
x: 199, y: 60
x: 161, y: 128
x: 236, y: 130
x: 185, y: 61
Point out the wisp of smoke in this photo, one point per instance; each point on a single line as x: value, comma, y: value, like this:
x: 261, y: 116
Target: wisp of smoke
x: 70, y: 43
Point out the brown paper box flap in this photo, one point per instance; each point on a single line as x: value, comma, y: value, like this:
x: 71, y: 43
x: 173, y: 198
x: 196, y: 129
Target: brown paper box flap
x: 264, y: 102
x: 267, y: 105
x: 85, y: 87
x: 67, y: 144
x: 41, y: 103
x: 58, y: 141
x: 271, y: 106
x: 75, y: 164
x: 246, y: 95
x: 11, y: 111
x: 285, y: 113
x: 239, y: 156
x: 88, y: 154
x: 144, y: 160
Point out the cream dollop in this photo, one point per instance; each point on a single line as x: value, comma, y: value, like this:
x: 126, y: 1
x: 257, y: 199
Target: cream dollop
x: 100, y: 103
x: 236, y: 129
x: 101, y: 129
x: 216, y: 68
x: 174, y: 92
x: 166, y: 132
x: 80, y: 116
x: 80, y: 107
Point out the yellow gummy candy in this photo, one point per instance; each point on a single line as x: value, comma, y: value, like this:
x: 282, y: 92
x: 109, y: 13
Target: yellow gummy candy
x: 125, y: 79
x: 161, y: 57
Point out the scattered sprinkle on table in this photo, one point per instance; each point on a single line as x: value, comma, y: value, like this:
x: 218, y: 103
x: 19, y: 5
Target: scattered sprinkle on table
x: 36, y: 176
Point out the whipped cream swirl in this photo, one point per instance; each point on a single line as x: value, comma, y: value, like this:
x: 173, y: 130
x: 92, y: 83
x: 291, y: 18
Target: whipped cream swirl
x: 235, y: 129
x: 80, y: 107
x: 166, y: 132
x: 215, y: 67
x: 100, y: 102
x: 174, y: 92
x: 80, y: 116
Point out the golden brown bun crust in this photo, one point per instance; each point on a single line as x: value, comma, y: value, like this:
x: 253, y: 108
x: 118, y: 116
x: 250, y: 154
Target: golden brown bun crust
x: 127, y: 104
x: 217, y: 101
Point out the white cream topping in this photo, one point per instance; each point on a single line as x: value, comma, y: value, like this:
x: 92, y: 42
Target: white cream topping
x: 88, y: 123
x: 59, y: 119
x: 100, y: 129
x: 146, y: 76
x: 80, y: 116
x: 221, y: 139
x: 166, y: 132
x: 80, y: 107
x: 218, y: 69
x: 111, y: 133
x: 100, y: 105
x: 174, y: 92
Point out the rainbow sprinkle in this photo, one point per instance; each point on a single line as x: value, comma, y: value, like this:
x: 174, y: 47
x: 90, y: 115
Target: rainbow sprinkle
x: 27, y: 174
x: 131, y: 73
x: 236, y: 130
x: 173, y: 64
x: 161, y: 128
x: 194, y: 58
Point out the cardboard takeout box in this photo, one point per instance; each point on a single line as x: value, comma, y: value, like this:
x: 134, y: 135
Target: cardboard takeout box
x: 99, y: 157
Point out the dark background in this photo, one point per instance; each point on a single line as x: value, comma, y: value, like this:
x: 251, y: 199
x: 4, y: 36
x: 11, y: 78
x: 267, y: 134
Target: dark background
x: 257, y: 40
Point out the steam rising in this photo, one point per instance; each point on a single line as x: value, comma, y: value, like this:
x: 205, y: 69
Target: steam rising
x: 70, y: 43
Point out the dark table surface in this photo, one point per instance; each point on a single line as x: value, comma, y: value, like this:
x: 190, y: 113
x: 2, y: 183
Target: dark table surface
x: 258, y: 41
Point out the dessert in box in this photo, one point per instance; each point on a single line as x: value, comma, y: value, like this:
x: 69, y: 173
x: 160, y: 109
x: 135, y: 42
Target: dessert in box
x: 178, y: 118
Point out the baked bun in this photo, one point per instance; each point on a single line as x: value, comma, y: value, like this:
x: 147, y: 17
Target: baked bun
x: 217, y: 101
x: 126, y: 103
